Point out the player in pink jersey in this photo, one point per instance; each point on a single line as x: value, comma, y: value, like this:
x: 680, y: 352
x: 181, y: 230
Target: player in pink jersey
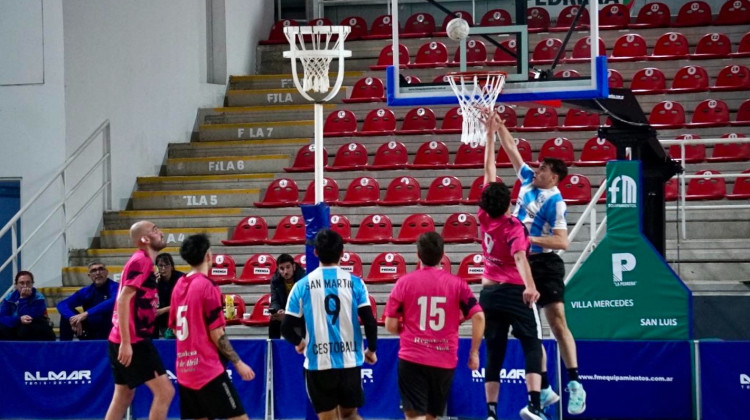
x: 425, y: 309
x: 197, y: 318
x: 508, y: 291
x: 133, y: 357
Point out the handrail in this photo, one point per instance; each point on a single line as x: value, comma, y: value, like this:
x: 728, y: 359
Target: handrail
x: 105, y: 189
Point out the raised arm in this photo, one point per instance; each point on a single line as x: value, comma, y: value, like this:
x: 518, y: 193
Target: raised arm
x: 507, y: 142
x: 490, y: 171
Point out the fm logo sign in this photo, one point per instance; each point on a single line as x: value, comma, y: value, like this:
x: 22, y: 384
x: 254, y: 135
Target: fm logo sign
x: 621, y: 263
x: 627, y: 189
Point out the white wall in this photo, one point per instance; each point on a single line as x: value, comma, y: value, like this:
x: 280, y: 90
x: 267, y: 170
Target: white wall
x: 247, y: 22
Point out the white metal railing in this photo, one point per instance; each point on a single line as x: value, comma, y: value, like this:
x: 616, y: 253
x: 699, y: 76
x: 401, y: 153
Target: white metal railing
x: 105, y: 189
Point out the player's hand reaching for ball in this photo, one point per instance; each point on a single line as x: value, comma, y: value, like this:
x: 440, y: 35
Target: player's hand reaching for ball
x: 530, y: 296
x: 245, y: 371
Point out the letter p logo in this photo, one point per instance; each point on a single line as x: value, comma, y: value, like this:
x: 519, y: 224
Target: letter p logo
x: 622, y: 262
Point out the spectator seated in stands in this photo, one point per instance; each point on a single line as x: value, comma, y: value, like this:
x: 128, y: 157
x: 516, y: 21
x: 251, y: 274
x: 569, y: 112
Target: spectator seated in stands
x: 287, y: 273
x: 23, y: 313
x: 166, y: 278
x: 97, y: 301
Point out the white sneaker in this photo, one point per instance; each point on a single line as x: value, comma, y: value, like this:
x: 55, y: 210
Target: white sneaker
x: 547, y: 397
x: 527, y: 414
x: 577, y: 400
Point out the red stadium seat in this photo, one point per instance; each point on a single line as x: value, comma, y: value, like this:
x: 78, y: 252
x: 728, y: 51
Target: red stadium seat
x: 469, y: 156
x: 341, y: 225
x: 431, y: 155
x: 734, y: 12
x: 402, y: 191
x: 713, y: 45
x: 390, y: 155
x: 340, y: 123
x: 558, y: 148
x: 732, y: 77
x: 373, y: 306
x: 475, y: 191
x: 537, y: 19
x: 743, y: 114
x: 419, y: 120
x: 358, y: 25
x: 318, y: 22
x: 412, y: 80
x: 276, y: 36
x: 546, y: 50
x: 233, y: 307
x: 508, y: 115
x: 260, y: 316
x: 582, y: 50
x: 460, y: 228
x: 566, y: 74
x: 282, y: 192
x: 374, y: 229
x: 730, y: 152
x: 649, y: 80
x: 524, y: 148
x: 667, y: 114
x: 452, y: 122
x: 362, y: 191
x: 670, y: 46
x: 614, y: 16
x: 566, y: 17
x: 385, y: 58
x: 706, y: 188
x: 431, y: 54
x: 350, y: 157
x: 418, y: 25
x: 304, y: 161
x: 596, y: 152
x: 653, y: 15
x: 378, y: 122
x: 367, y: 89
x: 290, y: 230
x: 741, y: 189
x: 496, y: 17
x: 251, y: 230
x: 387, y: 267
x: 629, y: 47
x: 671, y: 190
x: 578, y: 119
x: 381, y: 28
x: 330, y: 192
x: 575, y: 189
x: 413, y: 226
x: 351, y: 263
x: 743, y: 49
x: 445, y: 264
x: 463, y: 14
x: 471, y: 268
x: 694, y: 153
x: 690, y: 79
x: 539, y: 119
x: 516, y: 189
x: 502, y: 56
x: 693, y: 13
x: 258, y: 269
x: 301, y: 259
x: 445, y: 189
x: 223, y: 269
x: 476, y: 54
x: 710, y: 113
x: 614, y: 79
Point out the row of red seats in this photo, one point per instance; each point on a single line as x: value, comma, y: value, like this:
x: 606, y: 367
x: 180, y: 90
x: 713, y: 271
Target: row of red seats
x: 613, y: 16
x: 651, y: 80
x: 710, y: 186
x: 708, y: 113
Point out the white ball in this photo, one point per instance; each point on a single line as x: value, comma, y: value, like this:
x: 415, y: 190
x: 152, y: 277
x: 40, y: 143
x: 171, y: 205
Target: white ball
x: 457, y: 29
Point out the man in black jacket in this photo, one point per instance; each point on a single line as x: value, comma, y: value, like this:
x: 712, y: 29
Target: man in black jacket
x: 287, y: 273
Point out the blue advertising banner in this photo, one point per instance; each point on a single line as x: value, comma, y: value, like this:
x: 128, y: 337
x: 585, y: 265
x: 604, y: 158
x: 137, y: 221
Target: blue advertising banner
x: 635, y: 379
x: 467, y: 399
x: 725, y: 379
x: 252, y: 393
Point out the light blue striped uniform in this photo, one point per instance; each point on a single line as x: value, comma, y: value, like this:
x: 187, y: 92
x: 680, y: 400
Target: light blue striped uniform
x: 539, y: 209
x: 329, y: 298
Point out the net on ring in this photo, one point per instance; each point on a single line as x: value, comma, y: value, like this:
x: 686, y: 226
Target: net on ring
x: 476, y: 92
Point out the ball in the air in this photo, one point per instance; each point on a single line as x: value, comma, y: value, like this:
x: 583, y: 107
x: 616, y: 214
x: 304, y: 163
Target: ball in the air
x: 457, y: 29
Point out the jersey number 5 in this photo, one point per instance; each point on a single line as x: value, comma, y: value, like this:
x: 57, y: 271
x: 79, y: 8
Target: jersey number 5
x: 182, y: 323
x: 436, y: 313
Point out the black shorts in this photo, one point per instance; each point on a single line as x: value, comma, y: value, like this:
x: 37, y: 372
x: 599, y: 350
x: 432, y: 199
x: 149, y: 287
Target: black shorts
x: 330, y: 388
x: 548, y: 270
x: 424, y: 389
x: 217, y: 399
x: 145, y: 364
x: 503, y: 306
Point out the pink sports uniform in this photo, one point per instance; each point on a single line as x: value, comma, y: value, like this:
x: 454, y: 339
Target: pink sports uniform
x: 502, y: 237
x: 138, y: 273
x: 195, y: 310
x: 432, y: 303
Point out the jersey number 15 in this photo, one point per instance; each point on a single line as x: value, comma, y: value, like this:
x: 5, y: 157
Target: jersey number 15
x: 436, y: 314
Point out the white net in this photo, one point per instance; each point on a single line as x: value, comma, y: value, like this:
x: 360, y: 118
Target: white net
x: 316, y: 47
x: 476, y: 92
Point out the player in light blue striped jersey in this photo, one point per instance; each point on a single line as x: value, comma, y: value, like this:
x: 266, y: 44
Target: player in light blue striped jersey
x: 328, y: 303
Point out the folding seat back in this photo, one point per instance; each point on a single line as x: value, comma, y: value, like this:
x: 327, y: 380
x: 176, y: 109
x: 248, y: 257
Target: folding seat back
x: 420, y: 120
x: 387, y: 267
x: 614, y: 16
x: 471, y: 268
x: 382, y: 28
x: 413, y: 226
x: 582, y: 50
x: 575, y: 189
x: 385, y: 58
x: 694, y: 153
x: 614, y: 79
x: 706, y: 187
x: 730, y: 152
x: 223, y: 269
x: 496, y: 17
x: 463, y: 14
x: 558, y: 148
x: 713, y: 45
x: 743, y: 49
x: 258, y: 269
x: 301, y: 260
x: 507, y: 114
x: 276, y: 36
x: 402, y: 191
x: 445, y: 189
x: 566, y: 17
x: 506, y: 55
x: 412, y: 80
x: 445, y: 264
x: 546, y: 50
x: 390, y: 155
x: 281, y: 192
x: 653, y: 15
x: 349, y: 157
x: 515, y: 191
x: 341, y: 225
x: 373, y: 306
x: 330, y: 192
x: 362, y: 191
x: 690, y: 79
x: 367, y: 89
x: 567, y: 74
x: 734, y: 12
x: 251, y: 230
x: 579, y: 119
x: 743, y: 114
x: 378, y: 122
x: 671, y: 190
x: 352, y: 263
x: 537, y: 19
x: 289, y: 230
x: 649, y: 80
x: 358, y: 25
x: 233, y: 307
x: 461, y: 228
x: 597, y: 152
x: 340, y: 123
x: 476, y: 53
x: 469, y: 156
x: 629, y: 47
x: 374, y: 229
x: 418, y: 25
x: 733, y: 77
x: 260, y: 316
x: 452, y: 122
x: 741, y: 189
x: 304, y: 160
x: 475, y: 191
x: 693, y: 13
x: 710, y: 113
x: 670, y: 46
x: 431, y: 154
x: 431, y: 54
x: 667, y: 114
x: 524, y: 148
x: 539, y: 119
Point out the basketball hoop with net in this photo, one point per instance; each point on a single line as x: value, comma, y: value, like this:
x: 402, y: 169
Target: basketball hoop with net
x: 476, y: 91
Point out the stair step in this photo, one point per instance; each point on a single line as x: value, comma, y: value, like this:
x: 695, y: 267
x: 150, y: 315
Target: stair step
x: 258, y: 164
x: 236, y: 148
x: 173, y: 237
x: 257, y: 97
x: 281, y: 81
x: 261, y: 130
x: 184, y: 199
x: 202, y: 182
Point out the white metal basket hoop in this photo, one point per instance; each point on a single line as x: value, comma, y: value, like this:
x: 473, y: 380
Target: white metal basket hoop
x: 476, y: 92
x: 315, y: 47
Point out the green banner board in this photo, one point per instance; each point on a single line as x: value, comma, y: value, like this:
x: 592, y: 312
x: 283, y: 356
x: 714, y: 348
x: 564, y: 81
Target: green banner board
x: 625, y: 289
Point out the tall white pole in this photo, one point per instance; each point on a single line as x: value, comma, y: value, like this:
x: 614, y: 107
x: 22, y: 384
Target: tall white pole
x: 318, y: 107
